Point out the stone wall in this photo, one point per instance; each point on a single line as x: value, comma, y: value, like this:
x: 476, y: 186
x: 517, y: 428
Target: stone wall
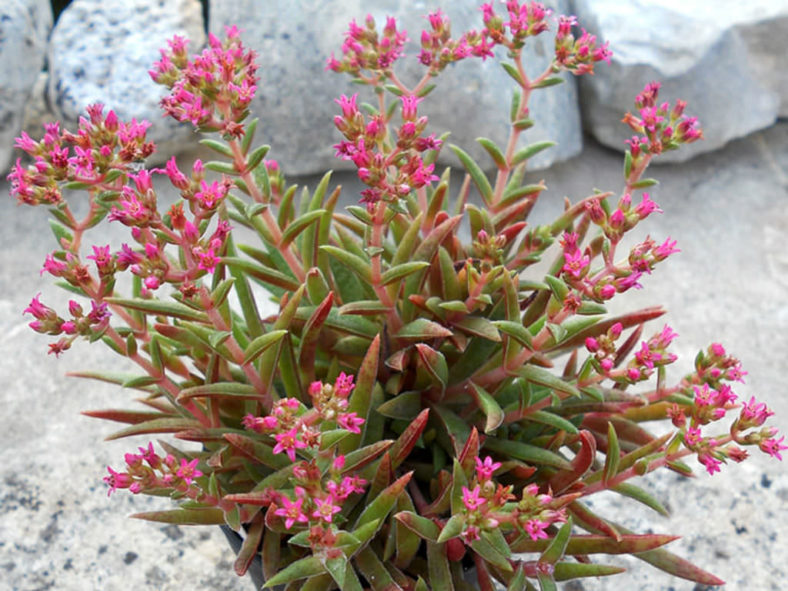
x: 724, y: 57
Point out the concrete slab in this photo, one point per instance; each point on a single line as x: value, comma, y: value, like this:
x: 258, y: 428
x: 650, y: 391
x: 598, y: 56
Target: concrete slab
x: 58, y: 529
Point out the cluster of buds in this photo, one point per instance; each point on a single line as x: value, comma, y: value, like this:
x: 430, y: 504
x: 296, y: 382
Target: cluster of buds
x: 716, y: 364
x: 612, y: 278
x: 660, y: 127
x: 292, y: 428
x: 102, y: 147
x: 528, y: 19
x: 623, y: 218
x: 331, y: 402
x: 390, y: 172
x: 577, y: 55
x: 438, y: 49
x: 365, y: 49
x: 91, y: 325
x: 213, y: 90
x: 317, y: 498
x: 147, y: 471
x: 652, y: 354
x: 489, y: 248
x: 536, y: 512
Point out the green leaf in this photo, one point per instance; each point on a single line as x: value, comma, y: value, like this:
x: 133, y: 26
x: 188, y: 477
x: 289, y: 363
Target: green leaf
x: 421, y: 526
x: 477, y: 174
x: 565, y: 571
x: 514, y: 73
x: 515, y: 330
x: 645, y: 183
x: 256, y: 157
x: 401, y: 271
x: 298, y: 225
x: 262, y: 273
x: 637, y: 493
x: 262, y: 343
x: 438, y: 568
x: 217, y: 146
x: 156, y: 426
x: 160, y: 308
x: 382, y: 505
x: 551, y: 81
x: 222, y: 167
x: 360, y: 400
x: 530, y: 151
x: 206, y: 516
x: 546, y: 582
x: 494, y: 151
x: 421, y: 328
x: 541, y: 376
x: 613, y: 453
x: 526, y: 452
x: 556, y: 549
x: 355, y: 263
x: 489, y: 406
x: 452, y: 528
x: 627, y: 163
x: 434, y: 362
x: 300, y: 569
x: 547, y: 418
x: 523, y: 124
x: 404, y: 406
x: 408, y: 439
x: 487, y: 551
x: 229, y: 389
x: 480, y: 327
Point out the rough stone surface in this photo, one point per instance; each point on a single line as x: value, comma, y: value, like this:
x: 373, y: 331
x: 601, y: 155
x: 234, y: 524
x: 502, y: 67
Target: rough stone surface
x: 728, y: 212
x: 24, y: 27
x: 716, y: 57
x: 102, y: 51
x: 295, y: 96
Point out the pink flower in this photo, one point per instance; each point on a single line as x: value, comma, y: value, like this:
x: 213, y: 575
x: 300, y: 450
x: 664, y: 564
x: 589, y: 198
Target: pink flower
x: 288, y: 442
x: 535, y: 529
x: 291, y: 511
x: 485, y: 469
x: 326, y: 509
x: 350, y: 421
x: 773, y: 447
x: 692, y: 436
x: 471, y: 499
x: 754, y: 413
x: 712, y: 464
x: 188, y: 470
x: 117, y: 480
x: 576, y: 263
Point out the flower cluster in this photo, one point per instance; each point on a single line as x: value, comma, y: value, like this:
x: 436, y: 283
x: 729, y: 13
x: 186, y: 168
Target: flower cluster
x: 578, y: 55
x: 365, y: 49
x: 102, y: 147
x: 391, y: 172
x: 660, y: 127
x: 91, y: 325
x: 147, y: 471
x: 213, y: 90
x: 438, y: 49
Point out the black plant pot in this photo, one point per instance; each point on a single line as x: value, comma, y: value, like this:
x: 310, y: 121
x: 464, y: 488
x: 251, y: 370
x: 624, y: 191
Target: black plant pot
x: 256, y: 569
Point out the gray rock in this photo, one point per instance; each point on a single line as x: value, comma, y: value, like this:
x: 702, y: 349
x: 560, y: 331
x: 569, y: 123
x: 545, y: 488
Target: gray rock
x: 101, y: 52
x: 472, y: 99
x: 24, y: 27
x: 699, y: 54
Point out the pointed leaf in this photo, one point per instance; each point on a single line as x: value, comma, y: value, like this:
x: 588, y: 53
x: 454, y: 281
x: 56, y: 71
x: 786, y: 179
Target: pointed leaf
x: 555, y: 551
x: 528, y: 453
x: 489, y: 406
x: 160, y: 308
x: 530, y: 151
x: 207, y: 516
x: 228, y: 389
x: 564, y: 571
x: 423, y: 527
x: 169, y: 425
x: 300, y: 569
x: 248, y: 550
x: 476, y: 173
x: 360, y: 400
x: 403, y: 270
x: 494, y: 151
x: 421, y: 328
x: 613, y: 453
x: 353, y: 262
x: 298, y: 225
x: 261, y: 344
x: 434, y: 362
x: 408, y: 439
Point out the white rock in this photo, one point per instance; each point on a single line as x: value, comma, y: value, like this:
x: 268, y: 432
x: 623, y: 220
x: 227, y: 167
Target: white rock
x: 709, y: 54
x: 101, y: 52
x: 295, y: 96
x: 24, y: 27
